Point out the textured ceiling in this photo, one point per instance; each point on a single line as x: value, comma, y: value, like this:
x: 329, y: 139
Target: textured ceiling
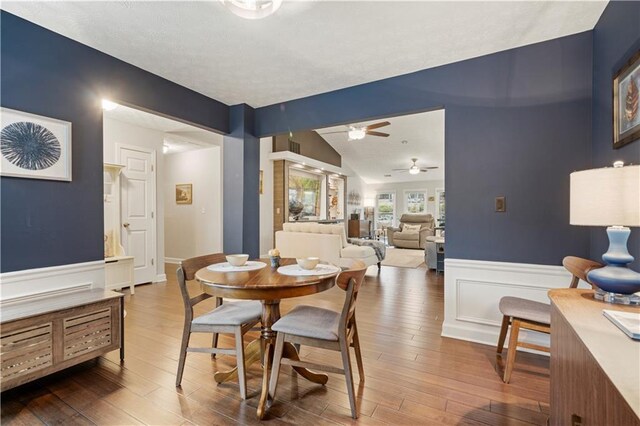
x: 373, y: 157
x: 305, y: 48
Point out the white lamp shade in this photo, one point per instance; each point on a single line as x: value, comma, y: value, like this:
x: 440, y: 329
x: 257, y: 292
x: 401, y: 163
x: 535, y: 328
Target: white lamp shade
x: 606, y: 197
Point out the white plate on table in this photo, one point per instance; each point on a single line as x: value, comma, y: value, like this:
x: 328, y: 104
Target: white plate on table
x: 251, y: 265
x: 297, y: 271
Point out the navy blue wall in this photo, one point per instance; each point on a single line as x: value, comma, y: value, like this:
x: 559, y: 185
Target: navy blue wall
x: 616, y: 37
x: 517, y: 123
x: 46, y: 223
x: 241, y: 184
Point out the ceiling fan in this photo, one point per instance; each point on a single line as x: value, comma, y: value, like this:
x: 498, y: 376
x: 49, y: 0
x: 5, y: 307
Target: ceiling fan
x: 359, y: 132
x: 414, y: 169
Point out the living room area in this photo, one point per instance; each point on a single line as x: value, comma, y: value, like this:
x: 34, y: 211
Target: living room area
x: 382, y: 181
x: 333, y: 147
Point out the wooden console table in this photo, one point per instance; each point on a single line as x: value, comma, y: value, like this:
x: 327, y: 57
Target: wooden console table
x: 595, y: 367
x: 40, y: 337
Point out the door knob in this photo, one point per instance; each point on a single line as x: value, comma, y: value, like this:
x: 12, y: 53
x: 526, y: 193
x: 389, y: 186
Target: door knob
x: 126, y: 225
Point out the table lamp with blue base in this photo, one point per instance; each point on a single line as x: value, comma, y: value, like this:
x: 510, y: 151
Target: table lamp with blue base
x: 604, y: 197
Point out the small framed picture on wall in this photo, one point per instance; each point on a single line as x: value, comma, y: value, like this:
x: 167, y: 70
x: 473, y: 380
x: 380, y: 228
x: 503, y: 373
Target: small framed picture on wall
x: 184, y: 193
x: 626, y: 112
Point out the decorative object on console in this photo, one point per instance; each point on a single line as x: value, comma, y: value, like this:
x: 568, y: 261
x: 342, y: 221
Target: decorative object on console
x: 610, y: 197
x: 184, y: 194
x: 626, y: 103
x: 34, y: 146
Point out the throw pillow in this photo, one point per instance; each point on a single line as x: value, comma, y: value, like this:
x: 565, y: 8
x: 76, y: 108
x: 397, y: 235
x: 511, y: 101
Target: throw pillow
x: 411, y: 228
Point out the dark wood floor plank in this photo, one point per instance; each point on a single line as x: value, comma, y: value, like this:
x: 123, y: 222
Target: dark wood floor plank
x: 413, y: 375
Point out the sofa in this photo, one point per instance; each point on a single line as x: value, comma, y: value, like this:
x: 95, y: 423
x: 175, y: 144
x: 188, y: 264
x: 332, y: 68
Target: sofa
x: 328, y: 242
x: 402, y: 237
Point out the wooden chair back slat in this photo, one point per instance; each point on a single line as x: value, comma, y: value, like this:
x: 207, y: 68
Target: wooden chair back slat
x: 350, y: 280
x: 192, y: 265
x: 186, y: 272
x: 579, y: 268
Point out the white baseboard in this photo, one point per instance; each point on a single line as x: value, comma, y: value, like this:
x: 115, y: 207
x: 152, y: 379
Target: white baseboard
x: 473, y: 290
x: 160, y: 278
x: 33, y: 284
x: 172, y: 260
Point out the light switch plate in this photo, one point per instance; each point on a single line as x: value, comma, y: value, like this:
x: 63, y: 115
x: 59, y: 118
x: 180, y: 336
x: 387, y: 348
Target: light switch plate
x: 501, y: 204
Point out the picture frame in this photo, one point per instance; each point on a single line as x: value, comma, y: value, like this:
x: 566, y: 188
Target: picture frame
x: 184, y: 193
x: 626, y: 103
x: 34, y: 146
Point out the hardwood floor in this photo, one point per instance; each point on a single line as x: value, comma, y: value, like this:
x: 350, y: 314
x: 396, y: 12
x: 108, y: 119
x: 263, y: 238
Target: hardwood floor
x: 413, y: 376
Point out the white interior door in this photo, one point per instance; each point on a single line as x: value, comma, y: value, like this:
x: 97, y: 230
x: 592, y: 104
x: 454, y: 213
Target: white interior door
x: 138, y: 206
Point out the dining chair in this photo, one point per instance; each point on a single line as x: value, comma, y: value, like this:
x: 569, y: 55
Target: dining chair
x: 326, y: 329
x: 527, y: 314
x: 235, y: 317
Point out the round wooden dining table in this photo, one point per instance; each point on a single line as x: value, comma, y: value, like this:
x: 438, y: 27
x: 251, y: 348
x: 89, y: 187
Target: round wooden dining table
x: 269, y: 287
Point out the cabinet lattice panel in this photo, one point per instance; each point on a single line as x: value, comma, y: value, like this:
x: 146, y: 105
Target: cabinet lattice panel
x: 87, y: 332
x: 26, y: 350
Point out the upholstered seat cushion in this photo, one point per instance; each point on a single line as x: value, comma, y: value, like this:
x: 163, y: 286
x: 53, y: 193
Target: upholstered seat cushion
x: 231, y: 313
x: 310, y: 321
x: 526, y: 309
x: 406, y: 236
x: 356, y: 252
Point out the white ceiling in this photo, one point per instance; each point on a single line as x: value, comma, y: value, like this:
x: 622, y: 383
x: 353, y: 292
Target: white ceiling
x: 373, y: 157
x: 306, y: 47
x: 179, y: 137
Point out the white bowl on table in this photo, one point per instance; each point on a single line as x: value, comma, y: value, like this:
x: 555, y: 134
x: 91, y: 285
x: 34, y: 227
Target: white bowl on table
x: 308, y: 263
x: 237, y: 259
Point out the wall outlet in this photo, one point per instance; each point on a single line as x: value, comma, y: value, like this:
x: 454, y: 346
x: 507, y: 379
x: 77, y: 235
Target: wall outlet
x: 501, y: 204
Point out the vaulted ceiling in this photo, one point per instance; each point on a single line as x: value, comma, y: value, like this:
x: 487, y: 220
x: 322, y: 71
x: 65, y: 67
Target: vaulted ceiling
x: 305, y: 48
x: 418, y: 136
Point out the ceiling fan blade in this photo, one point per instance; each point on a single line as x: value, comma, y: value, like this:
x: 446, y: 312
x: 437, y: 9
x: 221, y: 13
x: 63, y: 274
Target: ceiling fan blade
x: 428, y: 168
x: 337, y: 131
x: 376, y: 125
x: 384, y: 135
x: 399, y: 170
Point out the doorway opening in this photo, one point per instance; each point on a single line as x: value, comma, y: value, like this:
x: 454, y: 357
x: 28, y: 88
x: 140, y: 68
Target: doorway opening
x: 162, y: 195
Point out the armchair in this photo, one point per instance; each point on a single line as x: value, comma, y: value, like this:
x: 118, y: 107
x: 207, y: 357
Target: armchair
x: 401, y: 238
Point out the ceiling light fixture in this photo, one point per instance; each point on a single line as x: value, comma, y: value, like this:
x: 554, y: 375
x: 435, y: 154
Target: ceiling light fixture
x: 252, y: 9
x: 414, y: 170
x: 355, y: 134
x: 107, y: 105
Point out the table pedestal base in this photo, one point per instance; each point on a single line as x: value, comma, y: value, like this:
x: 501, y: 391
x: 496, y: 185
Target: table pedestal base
x: 262, y: 349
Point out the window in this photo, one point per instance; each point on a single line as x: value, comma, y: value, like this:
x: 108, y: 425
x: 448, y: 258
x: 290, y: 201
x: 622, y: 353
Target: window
x: 386, y: 209
x: 440, y: 206
x: 415, y: 201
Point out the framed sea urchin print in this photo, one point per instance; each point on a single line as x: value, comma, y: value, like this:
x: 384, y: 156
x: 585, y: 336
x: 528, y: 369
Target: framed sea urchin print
x: 626, y: 103
x: 34, y: 147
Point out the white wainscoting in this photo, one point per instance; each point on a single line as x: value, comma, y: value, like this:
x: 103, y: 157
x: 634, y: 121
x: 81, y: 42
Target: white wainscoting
x: 33, y: 284
x: 473, y: 290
